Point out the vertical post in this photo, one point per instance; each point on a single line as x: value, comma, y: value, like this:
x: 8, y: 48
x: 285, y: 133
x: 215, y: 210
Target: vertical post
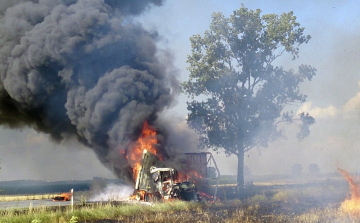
x: 218, y: 176
x: 72, y: 199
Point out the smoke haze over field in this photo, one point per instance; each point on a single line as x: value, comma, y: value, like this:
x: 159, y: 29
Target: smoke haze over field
x: 65, y: 65
x: 332, y: 94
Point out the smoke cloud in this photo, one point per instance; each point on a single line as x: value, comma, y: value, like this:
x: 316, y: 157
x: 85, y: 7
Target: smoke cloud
x: 82, y: 69
x: 113, y: 192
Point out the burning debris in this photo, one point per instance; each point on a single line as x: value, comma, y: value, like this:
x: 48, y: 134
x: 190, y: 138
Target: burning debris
x: 63, y: 197
x: 351, y: 205
x: 154, y: 179
x: 155, y: 182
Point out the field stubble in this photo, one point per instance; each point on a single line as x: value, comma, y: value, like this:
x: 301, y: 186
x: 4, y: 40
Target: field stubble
x: 300, y: 203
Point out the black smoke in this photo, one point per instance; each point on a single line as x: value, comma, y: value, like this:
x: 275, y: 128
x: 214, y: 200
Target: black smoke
x: 82, y: 69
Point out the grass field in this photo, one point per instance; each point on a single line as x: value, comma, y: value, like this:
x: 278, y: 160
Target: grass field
x: 301, y: 202
x: 253, y: 210
x: 26, y: 197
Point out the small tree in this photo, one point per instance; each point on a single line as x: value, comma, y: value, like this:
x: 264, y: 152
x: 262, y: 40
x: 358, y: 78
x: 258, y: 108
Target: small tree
x: 314, y: 170
x: 242, y: 94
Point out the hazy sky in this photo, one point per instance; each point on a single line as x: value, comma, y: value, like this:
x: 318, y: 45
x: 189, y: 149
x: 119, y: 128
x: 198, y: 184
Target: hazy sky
x: 333, y: 95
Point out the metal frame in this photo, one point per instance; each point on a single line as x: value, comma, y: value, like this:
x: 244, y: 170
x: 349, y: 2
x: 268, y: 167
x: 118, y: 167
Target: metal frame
x: 216, y: 167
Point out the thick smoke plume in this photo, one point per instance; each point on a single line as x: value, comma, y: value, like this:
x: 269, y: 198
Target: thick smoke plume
x: 84, y: 69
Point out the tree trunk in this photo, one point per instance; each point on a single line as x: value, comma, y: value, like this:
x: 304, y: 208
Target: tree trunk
x: 240, y: 170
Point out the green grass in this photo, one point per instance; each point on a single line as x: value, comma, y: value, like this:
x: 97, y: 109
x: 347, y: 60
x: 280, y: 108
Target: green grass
x: 92, y: 212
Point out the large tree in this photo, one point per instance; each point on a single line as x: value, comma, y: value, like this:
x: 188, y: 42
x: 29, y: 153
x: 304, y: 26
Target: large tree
x: 238, y: 94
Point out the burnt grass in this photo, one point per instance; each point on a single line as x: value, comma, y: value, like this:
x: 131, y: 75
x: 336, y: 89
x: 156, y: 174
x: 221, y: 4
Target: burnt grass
x: 256, y: 204
x: 228, y: 212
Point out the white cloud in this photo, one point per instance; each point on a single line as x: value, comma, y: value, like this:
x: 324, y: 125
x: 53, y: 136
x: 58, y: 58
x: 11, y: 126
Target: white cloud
x: 318, y: 112
x: 353, y: 104
x: 350, y: 107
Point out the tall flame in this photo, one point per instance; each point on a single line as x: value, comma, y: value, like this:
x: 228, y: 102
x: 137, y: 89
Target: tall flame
x: 147, y: 141
x: 351, y: 205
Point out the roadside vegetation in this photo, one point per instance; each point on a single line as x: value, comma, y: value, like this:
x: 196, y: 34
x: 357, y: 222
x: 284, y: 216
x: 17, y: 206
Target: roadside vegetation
x: 300, y: 203
x: 234, y: 211
x: 26, y: 197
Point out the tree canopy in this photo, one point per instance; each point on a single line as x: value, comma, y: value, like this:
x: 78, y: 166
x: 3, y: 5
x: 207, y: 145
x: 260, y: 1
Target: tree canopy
x: 237, y: 94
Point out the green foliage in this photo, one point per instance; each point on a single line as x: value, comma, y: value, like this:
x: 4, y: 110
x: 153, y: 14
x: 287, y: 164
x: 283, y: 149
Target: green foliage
x: 73, y: 219
x: 238, y: 95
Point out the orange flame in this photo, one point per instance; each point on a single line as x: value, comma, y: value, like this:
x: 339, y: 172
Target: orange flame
x: 192, y: 174
x: 63, y: 197
x: 140, y: 195
x: 147, y: 141
x: 351, y: 205
x: 208, y: 197
x: 66, y: 196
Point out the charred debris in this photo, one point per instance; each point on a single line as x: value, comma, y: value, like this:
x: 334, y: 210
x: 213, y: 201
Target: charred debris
x: 155, y: 181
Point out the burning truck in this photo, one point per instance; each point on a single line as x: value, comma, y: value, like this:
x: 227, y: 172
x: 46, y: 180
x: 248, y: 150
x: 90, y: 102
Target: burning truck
x: 155, y: 181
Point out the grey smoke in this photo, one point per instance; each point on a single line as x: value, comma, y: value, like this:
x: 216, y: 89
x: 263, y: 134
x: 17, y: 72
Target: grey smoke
x: 82, y: 69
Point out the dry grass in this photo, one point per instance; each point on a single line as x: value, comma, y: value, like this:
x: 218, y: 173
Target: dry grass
x: 299, y: 205
x: 253, y: 210
x: 26, y: 197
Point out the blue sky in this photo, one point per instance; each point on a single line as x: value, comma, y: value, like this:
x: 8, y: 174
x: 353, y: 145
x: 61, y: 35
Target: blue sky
x: 332, y: 95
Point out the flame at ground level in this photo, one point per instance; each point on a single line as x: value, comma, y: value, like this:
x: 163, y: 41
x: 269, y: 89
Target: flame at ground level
x: 351, y: 205
x: 63, y: 197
